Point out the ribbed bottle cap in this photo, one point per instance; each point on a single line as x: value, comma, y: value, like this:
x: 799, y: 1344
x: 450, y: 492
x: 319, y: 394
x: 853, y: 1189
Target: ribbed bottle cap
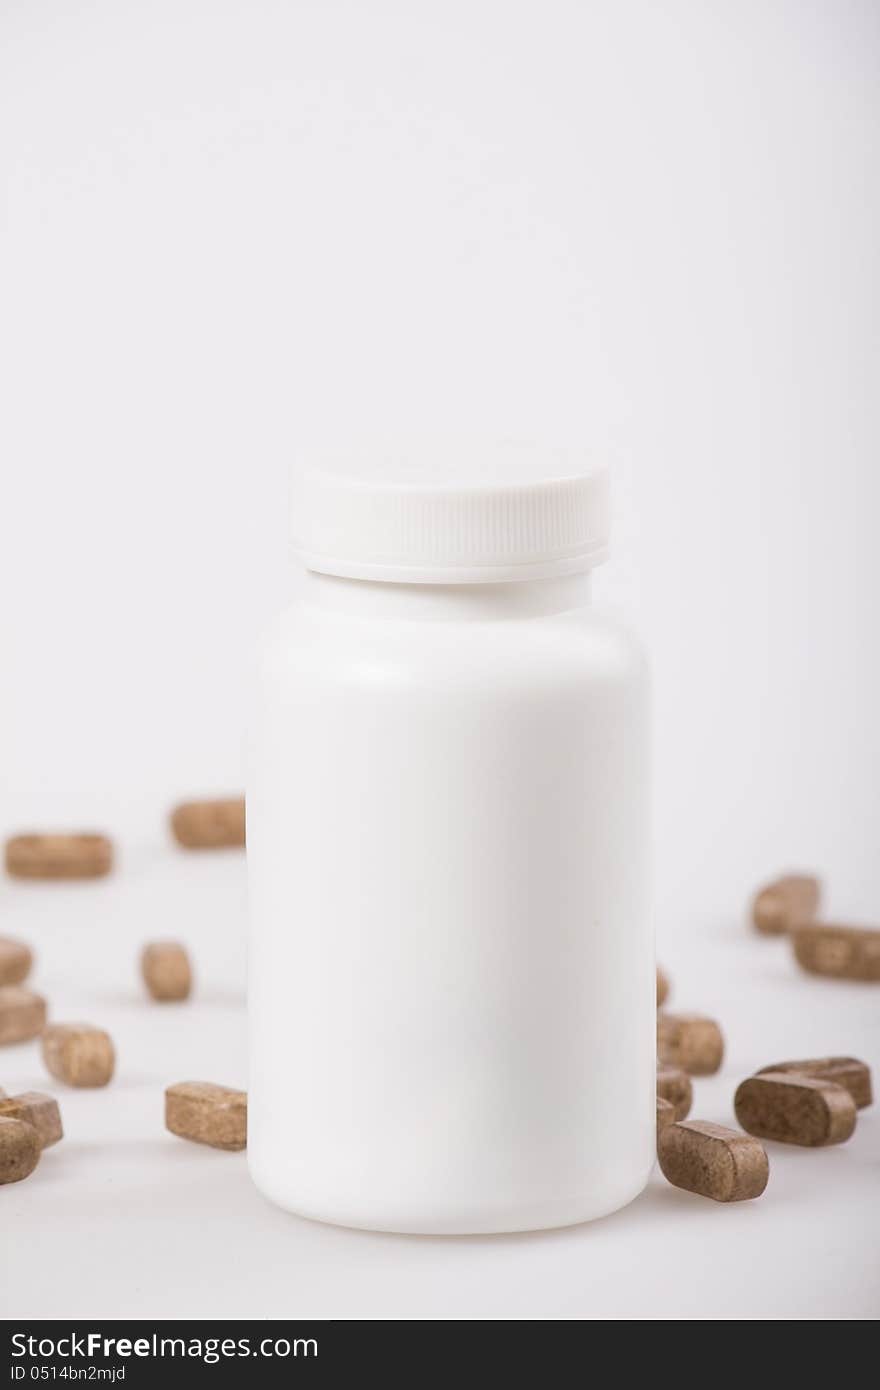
x: 522, y: 514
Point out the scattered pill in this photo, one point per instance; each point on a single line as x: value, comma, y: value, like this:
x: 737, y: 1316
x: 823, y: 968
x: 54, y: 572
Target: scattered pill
x: 662, y: 987
x: 846, y: 1071
x: 38, y: 1110
x: 208, y: 1114
x: 79, y: 1054
x: 19, y: 1150
x: 209, y: 824
x: 849, y: 953
x: 713, y: 1161
x: 795, y: 1109
x: 786, y: 903
x: 59, y: 856
x: 22, y: 1014
x: 674, y: 1085
x: 665, y: 1114
x: 166, y: 970
x: 16, y: 960
x: 690, y: 1041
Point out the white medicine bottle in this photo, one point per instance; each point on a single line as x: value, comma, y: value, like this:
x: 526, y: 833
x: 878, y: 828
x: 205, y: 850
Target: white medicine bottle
x: 451, y: 970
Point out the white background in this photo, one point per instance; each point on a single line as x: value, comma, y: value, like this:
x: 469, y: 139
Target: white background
x: 236, y: 230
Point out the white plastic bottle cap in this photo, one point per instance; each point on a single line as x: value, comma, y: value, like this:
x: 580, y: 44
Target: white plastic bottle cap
x: 523, y: 514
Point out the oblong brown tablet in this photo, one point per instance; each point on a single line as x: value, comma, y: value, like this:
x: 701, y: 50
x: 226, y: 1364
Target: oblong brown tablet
x: 16, y: 960
x: 207, y: 1114
x: 849, y: 1072
x: 795, y: 1109
x: 713, y: 1161
x: 166, y: 970
x: 19, y: 1150
x: 674, y: 1085
x: 662, y: 987
x: 79, y: 1054
x: 785, y: 903
x: 22, y: 1014
x: 209, y: 824
x: 665, y: 1114
x: 846, y: 953
x: 59, y: 856
x: 690, y: 1041
x: 38, y: 1110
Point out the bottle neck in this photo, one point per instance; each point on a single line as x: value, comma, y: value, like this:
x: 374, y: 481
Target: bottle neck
x: 366, y: 598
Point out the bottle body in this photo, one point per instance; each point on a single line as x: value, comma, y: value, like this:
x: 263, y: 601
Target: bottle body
x: 451, y: 958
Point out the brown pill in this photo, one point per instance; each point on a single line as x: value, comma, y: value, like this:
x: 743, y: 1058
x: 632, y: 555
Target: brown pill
x: 662, y: 987
x: 848, y: 953
x: 209, y: 824
x: 795, y: 1109
x: 208, y: 1114
x: 166, y: 970
x: 690, y: 1041
x: 16, y: 960
x: 37, y: 1110
x: 849, y: 1072
x: 674, y: 1085
x: 665, y: 1114
x: 22, y: 1014
x: 59, y: 856
x: 19, y: 1150
x: 713, y: 1161
x: 786, y: 903
x: 79, y: 1054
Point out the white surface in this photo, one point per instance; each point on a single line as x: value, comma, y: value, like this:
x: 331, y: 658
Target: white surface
x: 232, y: 227
x: 123, y: 1219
